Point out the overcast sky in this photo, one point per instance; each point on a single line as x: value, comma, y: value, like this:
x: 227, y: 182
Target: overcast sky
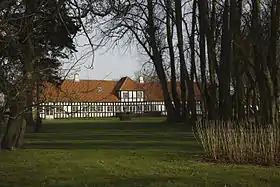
x: 112, y: 64
x: 108, y: 63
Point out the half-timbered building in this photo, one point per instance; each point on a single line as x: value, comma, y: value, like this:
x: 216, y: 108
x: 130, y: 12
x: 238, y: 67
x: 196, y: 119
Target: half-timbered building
x: 102, y: 98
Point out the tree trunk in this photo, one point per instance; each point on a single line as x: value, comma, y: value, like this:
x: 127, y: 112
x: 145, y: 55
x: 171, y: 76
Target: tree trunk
x: 263, y: 73
x: 157, y: 59
x: 273, y: 64
x: 209, y: 28
x: 202, y: 51
x: 21, y: 133
x: 225, y: 66
x: 276, y: 69
x: 172, y: 59
x: 29, y: 58
x: 29, y: 111
x: 38, y: 118
x: 256, y: 52
x: 191, y: 92
x: 212, y: 62
x: 15, y: 130
x: 184, y: 76
x: 236, y: 13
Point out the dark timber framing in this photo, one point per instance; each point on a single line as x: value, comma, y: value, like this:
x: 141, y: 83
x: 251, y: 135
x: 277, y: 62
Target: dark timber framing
x: 60, y: 110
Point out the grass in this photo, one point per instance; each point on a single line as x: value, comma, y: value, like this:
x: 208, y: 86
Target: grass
x: 110, y: 153
x: 105, y: 120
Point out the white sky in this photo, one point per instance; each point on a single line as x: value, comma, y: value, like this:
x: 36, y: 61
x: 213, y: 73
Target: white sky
x: 112, y: 64
x: 108, y: 63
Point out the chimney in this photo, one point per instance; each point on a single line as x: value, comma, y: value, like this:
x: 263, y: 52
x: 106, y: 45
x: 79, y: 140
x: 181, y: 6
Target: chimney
x: 141, y: 80
x: 76, y: 77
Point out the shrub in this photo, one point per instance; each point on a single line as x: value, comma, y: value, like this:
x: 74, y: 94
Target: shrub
x: 150, y: 114
x: 239, y: 142
x: 126, y: 116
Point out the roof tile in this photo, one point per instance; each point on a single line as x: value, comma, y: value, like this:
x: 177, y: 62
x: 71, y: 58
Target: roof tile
x: 88, y: 90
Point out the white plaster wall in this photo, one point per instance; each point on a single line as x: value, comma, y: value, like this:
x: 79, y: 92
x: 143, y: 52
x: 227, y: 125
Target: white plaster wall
x: 157, y: 106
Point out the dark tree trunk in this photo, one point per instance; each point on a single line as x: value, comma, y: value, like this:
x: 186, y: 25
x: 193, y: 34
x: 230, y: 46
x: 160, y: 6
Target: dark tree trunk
x: 212, y: 61
x: 239, y: 99
x: 15, y: 129
x: 191, y: 92
x: 21, y: 105
x: 209, y: 29
x: 184, y: 76
x: 172, y: 59
x: 273, y: 72
x: 225, y: 67
x: 202, y: 51
x: 21, y: 133
x: 29, y: 111
x: 38, y: 118
x: 263, y: 74
x: 29, y: 57
x: 157, y: 59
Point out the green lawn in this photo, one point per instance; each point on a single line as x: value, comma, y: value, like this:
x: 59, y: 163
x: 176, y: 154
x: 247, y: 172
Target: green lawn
x: 109, y: 153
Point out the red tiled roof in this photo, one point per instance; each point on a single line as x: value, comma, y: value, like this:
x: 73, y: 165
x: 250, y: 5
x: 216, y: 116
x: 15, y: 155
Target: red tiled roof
x: 82, y: 91
x: 89, y: 90
x: 119, y: 84
x: 129, y: 84
x: 153, y: 91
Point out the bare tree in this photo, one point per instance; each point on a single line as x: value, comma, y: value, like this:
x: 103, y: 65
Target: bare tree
x: 232, y: 45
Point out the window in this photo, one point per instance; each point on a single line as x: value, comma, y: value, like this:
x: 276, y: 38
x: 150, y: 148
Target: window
x: 59, y: 109
x: 41, y: 109
x: 99, y: 89
x: 99, y: 108
x: 139, y: 108
x: 125, y: 95
x: 92, y: 109
x: 139, y: 95
x: 147, y: 108
x: 117, y: 108
x: 85, y: 108
x: 125, y: 108
x: 74, y: 108
x: 132, y: 108
x: 110, y: 108
x: 49, y: 110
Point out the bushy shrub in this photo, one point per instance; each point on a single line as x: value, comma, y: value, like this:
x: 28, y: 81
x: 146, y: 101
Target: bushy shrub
x: 150, y: 114
x: 126, y: 116
x: 239, y: 142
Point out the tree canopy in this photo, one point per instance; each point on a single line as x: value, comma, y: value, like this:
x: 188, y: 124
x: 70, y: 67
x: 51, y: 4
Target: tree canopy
x: 35, y: 36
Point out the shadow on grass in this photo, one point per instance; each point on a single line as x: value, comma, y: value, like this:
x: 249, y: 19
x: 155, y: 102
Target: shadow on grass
x: 113, y: 136
x: 111, y: 145
x: 155, y: 181
x: 89, y: 125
